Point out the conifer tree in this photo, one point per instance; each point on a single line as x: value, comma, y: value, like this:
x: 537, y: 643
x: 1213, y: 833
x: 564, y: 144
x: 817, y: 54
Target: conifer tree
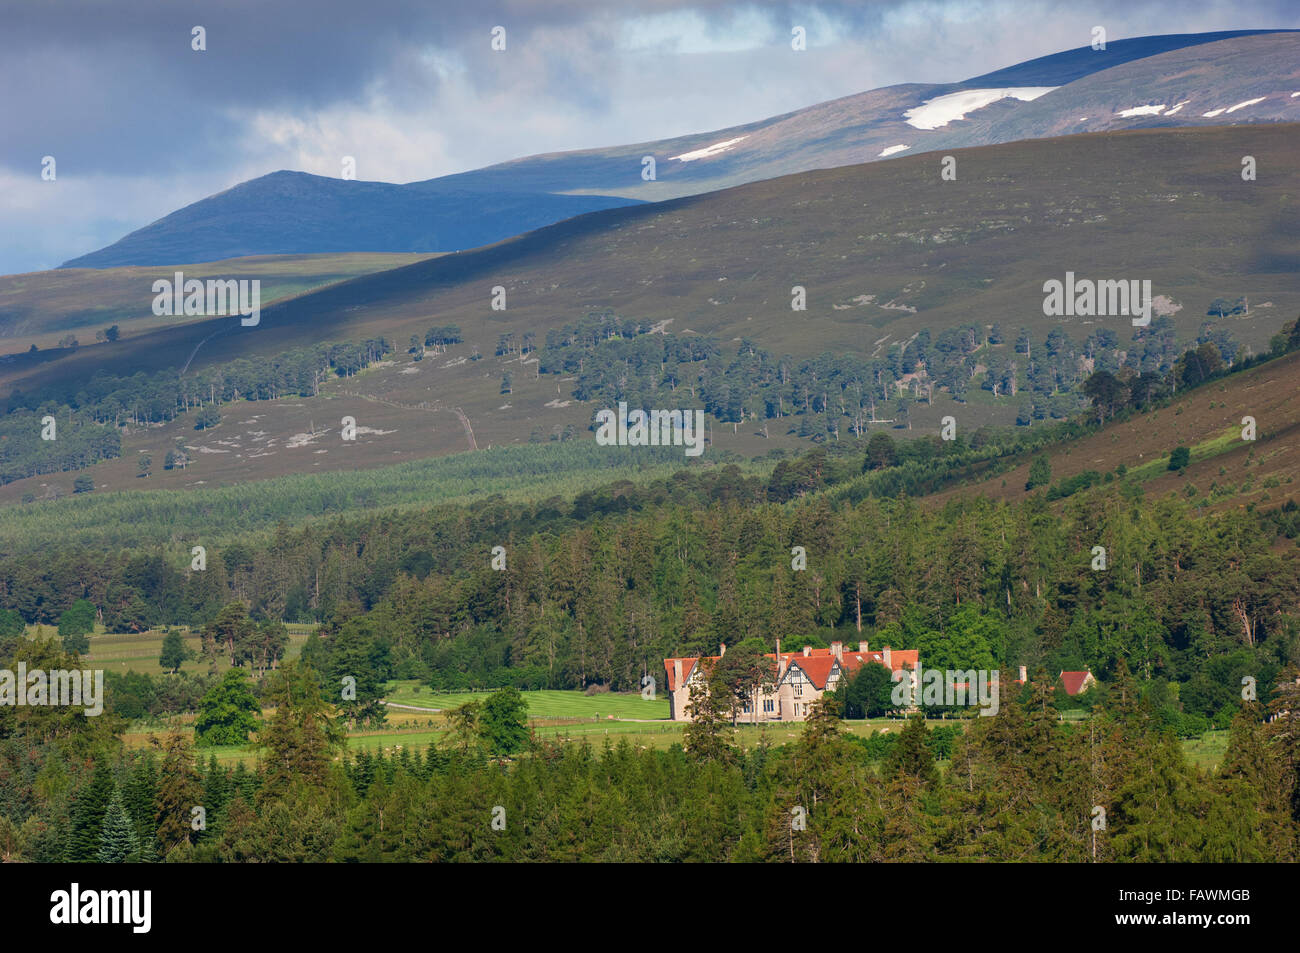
x: 179, y: 792
x: 706, y: 736
x: 911, y: 757
x: 89, y: 806
x: 118, y: 842
x: 302, y: 735
x: 138, y: 799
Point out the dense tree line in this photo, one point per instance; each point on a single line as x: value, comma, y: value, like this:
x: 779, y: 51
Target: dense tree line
x: 1020, y: 786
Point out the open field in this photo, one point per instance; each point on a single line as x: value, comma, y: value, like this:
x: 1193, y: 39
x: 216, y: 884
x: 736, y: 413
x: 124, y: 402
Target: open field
x: 139, y: 651
x: 40, y: 307
x: 658, y: 736
x: 541, y: 704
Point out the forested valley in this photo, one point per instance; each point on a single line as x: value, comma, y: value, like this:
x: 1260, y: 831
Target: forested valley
x: 597, y: 589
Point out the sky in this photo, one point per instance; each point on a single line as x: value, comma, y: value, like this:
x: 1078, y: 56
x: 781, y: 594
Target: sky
x: 139, y: 124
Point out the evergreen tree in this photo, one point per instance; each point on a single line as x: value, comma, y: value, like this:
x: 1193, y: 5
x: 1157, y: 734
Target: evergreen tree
x: 179, y: 792
x: 90, y: 803
x: 911, y: 757
x: 138, y: 798
x: 301, y: 736
x: 706, y: 736
x: 216, y: 788
x: 118, y: 841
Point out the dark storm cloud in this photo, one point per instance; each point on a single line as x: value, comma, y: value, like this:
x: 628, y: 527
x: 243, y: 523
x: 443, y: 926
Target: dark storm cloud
x: 116, y: 86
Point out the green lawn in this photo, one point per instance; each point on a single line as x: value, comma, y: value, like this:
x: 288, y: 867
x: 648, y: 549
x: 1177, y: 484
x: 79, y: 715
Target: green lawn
x: 541, y: 704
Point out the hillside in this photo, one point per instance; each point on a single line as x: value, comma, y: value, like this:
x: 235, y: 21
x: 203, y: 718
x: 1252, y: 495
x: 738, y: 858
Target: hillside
x: 41, y: 307
x: 1247, y: 76
x: 1225, y: 471
x: 883, y: 250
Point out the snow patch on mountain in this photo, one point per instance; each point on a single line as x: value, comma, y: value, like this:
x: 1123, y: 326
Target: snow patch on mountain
x: 1142, y: 110
x: 1249, y: 102
x: 891, y: 150
x: 1232, y: 109
x: 708, y: 151
x: 942, y: 110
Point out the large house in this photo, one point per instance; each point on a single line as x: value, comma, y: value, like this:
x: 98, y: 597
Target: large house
x: 799, y: 679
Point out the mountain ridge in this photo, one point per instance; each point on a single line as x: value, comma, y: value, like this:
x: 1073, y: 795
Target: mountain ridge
x: 478, y: 207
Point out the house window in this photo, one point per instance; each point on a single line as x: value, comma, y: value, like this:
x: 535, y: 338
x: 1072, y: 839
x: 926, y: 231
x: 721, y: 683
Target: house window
x: 768, y: 705
x: 748, y: 708
x: 798, y: 689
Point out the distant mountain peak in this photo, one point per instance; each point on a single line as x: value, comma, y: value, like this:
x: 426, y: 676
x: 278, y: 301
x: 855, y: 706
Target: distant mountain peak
x: 1196, y: 79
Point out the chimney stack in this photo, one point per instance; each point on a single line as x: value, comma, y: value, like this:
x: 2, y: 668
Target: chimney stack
x: 1023, y: 679
x: 722, y: 649
x: 778, y: 648
x: 863, y: 648
x: 807, y: 651
x: 677, y: 673
x: 889, y: 658
x: 837, y: 649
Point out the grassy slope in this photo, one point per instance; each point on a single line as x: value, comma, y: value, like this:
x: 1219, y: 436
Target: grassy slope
x: 1208, y: 421
x: 291, y: 211
x: 40, y: 307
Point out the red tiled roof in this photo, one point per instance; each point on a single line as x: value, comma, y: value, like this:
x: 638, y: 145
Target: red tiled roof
x: 1074, y: 681
x: 899, y: 659
x: 688, y: 666
x: 816, y: 664
x: 816, y: 667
